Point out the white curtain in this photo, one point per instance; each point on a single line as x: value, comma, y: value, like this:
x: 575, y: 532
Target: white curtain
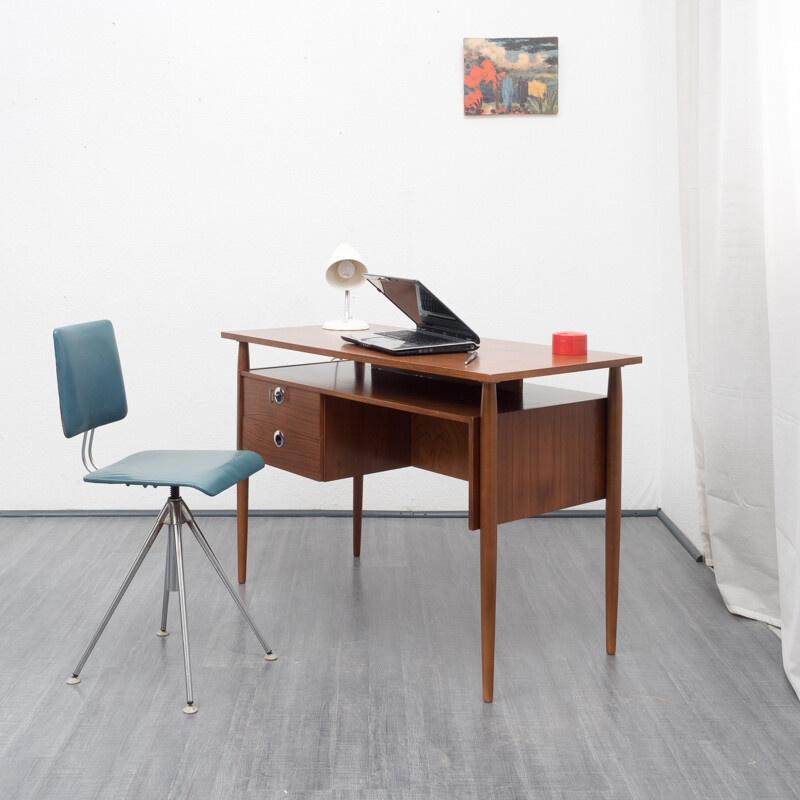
x: 739, y: 154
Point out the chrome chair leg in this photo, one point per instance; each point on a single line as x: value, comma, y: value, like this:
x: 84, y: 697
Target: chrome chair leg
x: 174, y: 513
x: 198, y: 534
x: 160, y: 521
x: 175, y: 524
x: 170, y: 582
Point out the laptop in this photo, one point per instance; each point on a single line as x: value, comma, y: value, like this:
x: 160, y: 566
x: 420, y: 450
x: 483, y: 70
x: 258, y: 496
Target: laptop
x: 438, y: 329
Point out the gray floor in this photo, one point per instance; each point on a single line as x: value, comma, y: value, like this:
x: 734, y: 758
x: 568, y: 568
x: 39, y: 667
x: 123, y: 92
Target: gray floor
x: 376, y: 693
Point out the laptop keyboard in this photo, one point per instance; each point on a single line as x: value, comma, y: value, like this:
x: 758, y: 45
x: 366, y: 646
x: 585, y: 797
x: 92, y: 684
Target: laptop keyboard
x: 432, y: 304
x: 414, y: 337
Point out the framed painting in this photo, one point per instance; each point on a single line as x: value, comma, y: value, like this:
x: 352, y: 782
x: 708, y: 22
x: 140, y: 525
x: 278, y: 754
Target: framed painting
x: 510, y: 76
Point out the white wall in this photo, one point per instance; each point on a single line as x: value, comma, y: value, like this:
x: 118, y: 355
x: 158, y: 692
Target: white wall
x: 678, y: 493
x: 183, y: 168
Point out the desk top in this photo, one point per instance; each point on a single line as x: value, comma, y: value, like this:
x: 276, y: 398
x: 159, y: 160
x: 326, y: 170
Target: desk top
x: 497, y: 360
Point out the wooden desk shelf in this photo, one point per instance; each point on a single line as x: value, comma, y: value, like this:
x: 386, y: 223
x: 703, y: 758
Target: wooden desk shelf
x: 340, y: 420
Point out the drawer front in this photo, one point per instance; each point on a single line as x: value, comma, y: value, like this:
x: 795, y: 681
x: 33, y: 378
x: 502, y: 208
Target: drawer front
x: 286, y: 434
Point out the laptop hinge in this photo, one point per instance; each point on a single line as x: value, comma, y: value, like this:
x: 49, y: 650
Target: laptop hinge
x: 450, y: 334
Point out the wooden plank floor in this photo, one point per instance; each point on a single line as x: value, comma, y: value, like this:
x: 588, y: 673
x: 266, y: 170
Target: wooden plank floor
x: 377, y: 690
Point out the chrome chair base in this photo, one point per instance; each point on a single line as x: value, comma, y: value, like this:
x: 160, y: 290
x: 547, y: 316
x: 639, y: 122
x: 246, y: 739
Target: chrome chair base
x: 174, y: 514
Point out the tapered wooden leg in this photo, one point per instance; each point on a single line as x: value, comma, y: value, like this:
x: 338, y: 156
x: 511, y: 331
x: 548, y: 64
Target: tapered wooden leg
x: 488, y: 544
x: 243, y: 487
x: 613, y: 502
x: 242, y: 498
x: 358, y: 502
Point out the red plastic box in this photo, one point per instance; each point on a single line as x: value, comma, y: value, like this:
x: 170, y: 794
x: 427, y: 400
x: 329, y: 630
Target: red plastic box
x: 569, y: 343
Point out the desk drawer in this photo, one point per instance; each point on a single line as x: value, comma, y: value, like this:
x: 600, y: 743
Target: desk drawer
x: 284, y: 427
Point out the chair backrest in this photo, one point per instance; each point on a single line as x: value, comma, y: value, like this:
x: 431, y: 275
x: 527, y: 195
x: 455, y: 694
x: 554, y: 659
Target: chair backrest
x: 91, y: 391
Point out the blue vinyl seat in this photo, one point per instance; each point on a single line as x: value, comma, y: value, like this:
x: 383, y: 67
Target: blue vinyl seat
x: 92, y: 393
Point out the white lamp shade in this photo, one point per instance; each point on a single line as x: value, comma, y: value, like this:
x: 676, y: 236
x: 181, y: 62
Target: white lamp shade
x: 345, y: 268
x: 345, y: 271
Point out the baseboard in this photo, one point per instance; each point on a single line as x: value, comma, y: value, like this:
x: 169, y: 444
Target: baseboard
x: 313, y: 512
x: 567, y: 514
x: 678, y: 534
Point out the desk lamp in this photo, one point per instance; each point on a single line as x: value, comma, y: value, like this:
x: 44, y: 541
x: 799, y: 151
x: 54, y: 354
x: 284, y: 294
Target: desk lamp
x: 346, y: 271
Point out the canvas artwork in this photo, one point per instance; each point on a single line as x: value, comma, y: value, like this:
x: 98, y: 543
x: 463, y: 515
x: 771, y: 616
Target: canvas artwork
x: 510, y: 76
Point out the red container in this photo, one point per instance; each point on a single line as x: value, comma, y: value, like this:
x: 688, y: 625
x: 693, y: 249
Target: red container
x: 569, y: 343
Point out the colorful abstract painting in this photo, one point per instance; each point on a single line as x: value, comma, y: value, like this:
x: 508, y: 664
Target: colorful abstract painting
x: 510, y: 76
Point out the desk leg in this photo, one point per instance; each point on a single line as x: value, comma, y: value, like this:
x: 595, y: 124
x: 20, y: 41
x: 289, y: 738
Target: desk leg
x: 358, y: 503
x: 242, y: 500
x: 243, y: 487
x: 488, y: 546
x: 613, y: 502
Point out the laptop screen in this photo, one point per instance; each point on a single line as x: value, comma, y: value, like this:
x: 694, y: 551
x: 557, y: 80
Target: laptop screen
x: 421, y: 305
x: 402, y: 292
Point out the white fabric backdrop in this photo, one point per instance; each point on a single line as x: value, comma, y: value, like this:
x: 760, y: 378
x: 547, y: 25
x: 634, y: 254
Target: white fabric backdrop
x: 779, y: 34
x: 740, y: 251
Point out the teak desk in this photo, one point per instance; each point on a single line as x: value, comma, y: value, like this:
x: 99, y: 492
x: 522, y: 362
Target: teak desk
x: 525, y: 449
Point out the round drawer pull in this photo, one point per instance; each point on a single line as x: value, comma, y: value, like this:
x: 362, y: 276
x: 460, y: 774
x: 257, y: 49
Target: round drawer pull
x: 279, y: 438
x: 279, y: 395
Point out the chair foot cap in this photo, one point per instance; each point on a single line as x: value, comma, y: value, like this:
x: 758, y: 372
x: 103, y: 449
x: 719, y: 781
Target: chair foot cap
x: 162, y: 633
x: 271, y: 657
x: 73, y: 680
x: 190, y: 710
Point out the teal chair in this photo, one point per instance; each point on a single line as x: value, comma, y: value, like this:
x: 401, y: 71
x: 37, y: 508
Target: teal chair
x: 92, y: 393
